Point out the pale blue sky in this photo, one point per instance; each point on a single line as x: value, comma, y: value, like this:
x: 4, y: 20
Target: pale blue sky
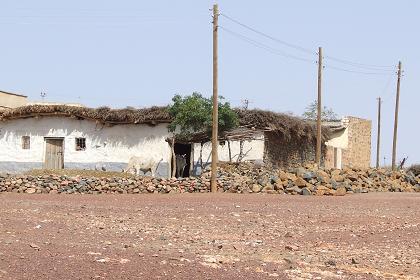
x: 140, y: 53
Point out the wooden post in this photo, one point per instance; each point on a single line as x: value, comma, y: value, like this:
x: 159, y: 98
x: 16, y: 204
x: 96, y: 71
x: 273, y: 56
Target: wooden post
x: 230, y: 151
x: 319, y: 111
x: 378, y: 142
x: 397, y: 105
x: 173, y: 157
x: 215, y: 143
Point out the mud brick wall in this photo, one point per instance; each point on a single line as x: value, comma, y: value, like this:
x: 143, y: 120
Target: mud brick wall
x: 358, y: 152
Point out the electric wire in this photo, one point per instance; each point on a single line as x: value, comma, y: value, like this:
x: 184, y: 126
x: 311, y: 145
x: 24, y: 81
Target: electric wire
x: 327, y: 66
x: 264, y: 46
x: 269, y: 36
x: 306, y: 50
x: 386, y: 95
x: 281, y: 53
x: 362, y: 65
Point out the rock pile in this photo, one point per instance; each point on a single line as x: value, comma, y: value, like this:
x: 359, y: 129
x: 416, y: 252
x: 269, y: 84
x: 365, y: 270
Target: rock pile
x: 309, y: 180
x: 243, y: 178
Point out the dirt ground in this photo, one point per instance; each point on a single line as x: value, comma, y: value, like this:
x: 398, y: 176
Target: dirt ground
x: 206, y: 236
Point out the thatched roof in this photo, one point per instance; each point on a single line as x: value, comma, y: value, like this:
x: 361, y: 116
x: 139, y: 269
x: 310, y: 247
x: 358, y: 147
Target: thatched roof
x: 285, y: 125
x: 101, y: 114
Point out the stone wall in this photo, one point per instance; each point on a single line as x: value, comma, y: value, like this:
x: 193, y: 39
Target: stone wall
x: 243, y: 178
x: 358, y: 152
x: 283, y: 152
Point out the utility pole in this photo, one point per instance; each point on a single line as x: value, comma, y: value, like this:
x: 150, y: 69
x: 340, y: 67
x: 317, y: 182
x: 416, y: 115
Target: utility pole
x: 214, y: 140
x: 318, y: 123
x: 378, y: 143
x: 397, y: 106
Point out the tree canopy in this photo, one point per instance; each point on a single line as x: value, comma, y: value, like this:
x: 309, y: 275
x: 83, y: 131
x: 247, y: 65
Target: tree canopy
x: 311, y: 113
x: 193, y: 114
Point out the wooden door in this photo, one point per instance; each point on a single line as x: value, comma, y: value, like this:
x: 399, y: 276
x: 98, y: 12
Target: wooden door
x: 54, y: 156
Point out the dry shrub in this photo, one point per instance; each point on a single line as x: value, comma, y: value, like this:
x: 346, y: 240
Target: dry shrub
x: 415, y: 168
x: 286, y: 126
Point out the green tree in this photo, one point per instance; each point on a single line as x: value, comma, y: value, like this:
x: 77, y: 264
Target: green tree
x: 193, y: 114
x: 311, y: 112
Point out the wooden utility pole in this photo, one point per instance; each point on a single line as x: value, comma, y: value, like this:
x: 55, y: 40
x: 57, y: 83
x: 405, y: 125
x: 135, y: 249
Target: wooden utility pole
x: 214, y: 140
x: 319, y: 111
x: 378, y: 142
x: 397, y: 105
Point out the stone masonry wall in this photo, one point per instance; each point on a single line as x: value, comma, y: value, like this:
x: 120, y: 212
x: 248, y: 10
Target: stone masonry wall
x: 358, y: 153
x: 288, y: 153
x: 233, y: 178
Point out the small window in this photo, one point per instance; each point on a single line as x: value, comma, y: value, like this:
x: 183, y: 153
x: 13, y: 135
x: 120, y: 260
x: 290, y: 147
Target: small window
x: 26, y: 142
x: 80, y: 144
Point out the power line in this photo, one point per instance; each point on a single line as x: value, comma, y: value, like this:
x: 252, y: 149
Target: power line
x: 361, y: 65
x: 306, y: 50
x: 384, y: 94
x: 269, y: 36
x: 356, y: 72
x: 281, y: 53
x: 263, y: 46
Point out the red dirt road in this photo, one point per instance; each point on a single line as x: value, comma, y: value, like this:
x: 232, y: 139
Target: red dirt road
x: 205, y: 236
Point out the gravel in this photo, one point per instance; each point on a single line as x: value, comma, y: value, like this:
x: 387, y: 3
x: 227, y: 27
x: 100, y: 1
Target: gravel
x: 206, y: 236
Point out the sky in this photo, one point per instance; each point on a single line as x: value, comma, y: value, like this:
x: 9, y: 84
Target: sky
x: 141, y: 53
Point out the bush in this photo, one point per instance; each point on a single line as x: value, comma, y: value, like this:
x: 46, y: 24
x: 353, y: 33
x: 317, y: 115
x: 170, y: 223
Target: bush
x: 193, y: 114
x: 415, y: 168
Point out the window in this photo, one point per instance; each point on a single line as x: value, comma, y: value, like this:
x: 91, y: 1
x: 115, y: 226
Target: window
x: 80, y: 144
x: 26, y: 142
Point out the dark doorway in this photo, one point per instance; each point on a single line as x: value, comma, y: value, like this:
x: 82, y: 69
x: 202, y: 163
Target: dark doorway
x: 183, y: 153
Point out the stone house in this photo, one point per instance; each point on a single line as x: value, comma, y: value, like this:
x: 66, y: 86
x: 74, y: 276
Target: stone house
x: 349, y: 144
x: 11, y: 100
x: 76, y: 137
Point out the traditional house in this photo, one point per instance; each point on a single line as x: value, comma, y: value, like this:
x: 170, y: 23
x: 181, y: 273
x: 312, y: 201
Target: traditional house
x: 11, y: 100
x: 349, y: 144
x: 76, y: 137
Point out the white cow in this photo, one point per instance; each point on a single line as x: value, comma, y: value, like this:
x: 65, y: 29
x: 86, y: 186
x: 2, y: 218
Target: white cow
x: 137, y: 164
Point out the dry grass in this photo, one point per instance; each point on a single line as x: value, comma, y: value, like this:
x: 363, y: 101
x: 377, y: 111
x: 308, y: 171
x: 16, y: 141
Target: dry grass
x: 284, y: 125
x: 101, y: 114
x: 289, y: 127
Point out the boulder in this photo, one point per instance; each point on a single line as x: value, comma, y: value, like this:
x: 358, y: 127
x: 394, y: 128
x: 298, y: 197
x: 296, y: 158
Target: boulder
x: 323, y: 176
x: 299, y: 182
x: 30, y: 190
x: 306, y: 191
x: 340, y: 191
x: 338, y: 178
x: 256, y: 188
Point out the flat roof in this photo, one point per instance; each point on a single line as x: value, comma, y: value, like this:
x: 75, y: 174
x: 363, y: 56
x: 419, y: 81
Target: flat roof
x: 10, y: 93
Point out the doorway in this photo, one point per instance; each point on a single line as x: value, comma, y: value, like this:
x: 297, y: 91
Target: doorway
x: 54, y: 153
x: 337, y: 158
x: 183, y: 159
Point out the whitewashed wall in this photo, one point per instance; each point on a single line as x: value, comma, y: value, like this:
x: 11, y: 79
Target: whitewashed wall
x: 339, y: 139
x: 108, y: 146
x: 254, y: 150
